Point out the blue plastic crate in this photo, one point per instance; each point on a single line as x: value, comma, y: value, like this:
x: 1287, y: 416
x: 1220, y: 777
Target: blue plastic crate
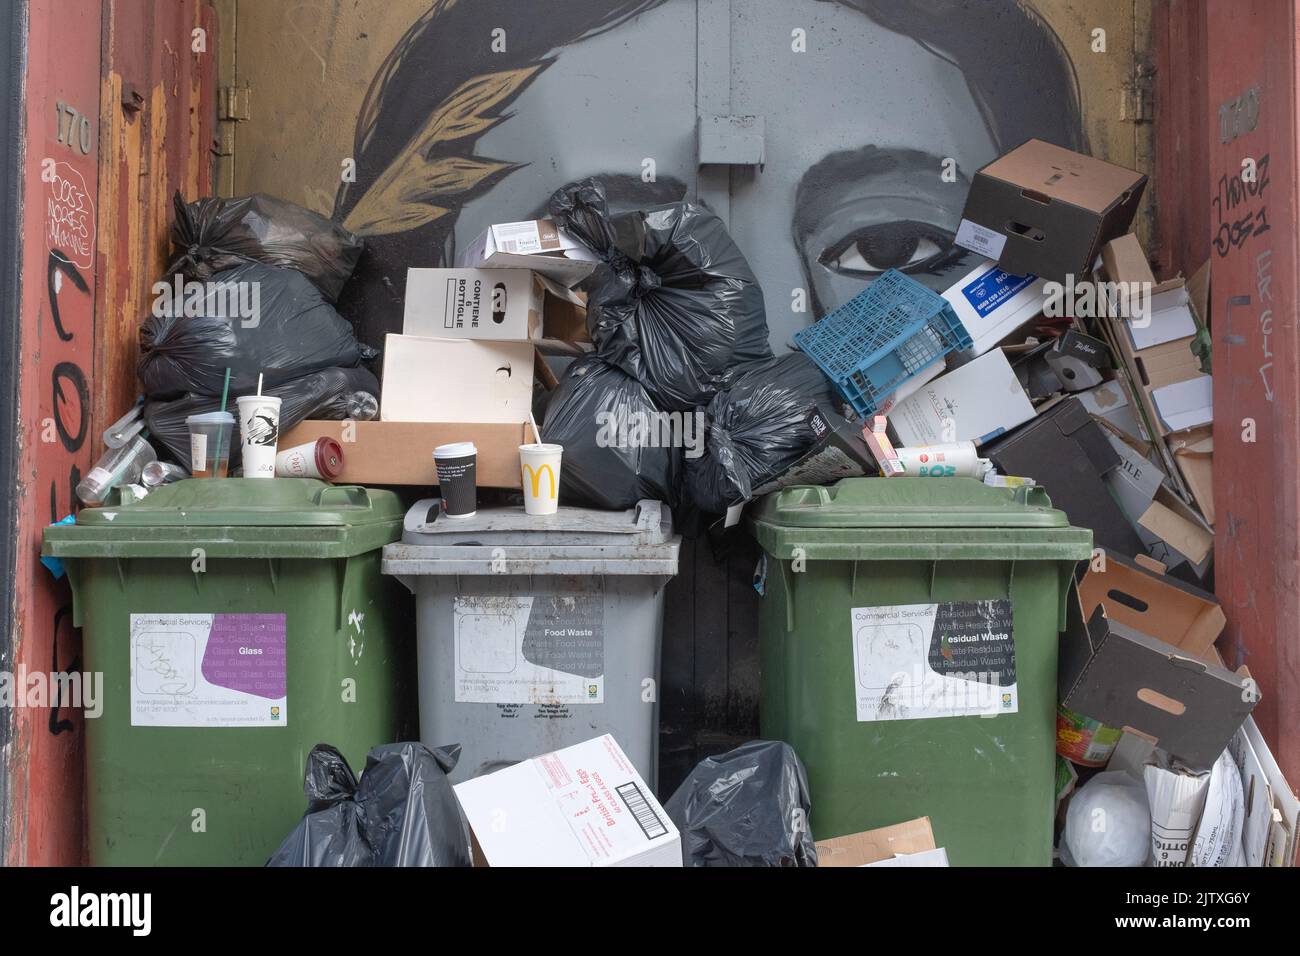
x: 881, y: 337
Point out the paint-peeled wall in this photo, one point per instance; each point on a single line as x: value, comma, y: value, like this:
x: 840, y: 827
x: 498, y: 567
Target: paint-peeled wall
x: 58, y: 186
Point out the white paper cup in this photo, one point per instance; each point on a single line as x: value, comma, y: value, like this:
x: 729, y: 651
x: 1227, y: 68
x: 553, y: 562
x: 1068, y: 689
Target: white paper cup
x: 259, y: 433
x: 539, y: 467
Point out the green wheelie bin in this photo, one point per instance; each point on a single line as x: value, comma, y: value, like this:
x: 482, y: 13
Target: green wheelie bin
x: 909, y: 639
x: 237, y: 622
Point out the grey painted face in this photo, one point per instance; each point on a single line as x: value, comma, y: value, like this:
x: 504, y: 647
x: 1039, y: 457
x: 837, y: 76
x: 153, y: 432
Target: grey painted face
x: 857, y: 128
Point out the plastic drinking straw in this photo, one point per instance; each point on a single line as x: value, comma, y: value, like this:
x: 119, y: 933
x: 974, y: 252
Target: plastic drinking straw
x: 259, y: 384
x: 537, y: 436
x: 225, y: 390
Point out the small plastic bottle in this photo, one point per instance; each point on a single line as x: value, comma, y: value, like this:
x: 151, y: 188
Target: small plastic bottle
x: 117, y: 466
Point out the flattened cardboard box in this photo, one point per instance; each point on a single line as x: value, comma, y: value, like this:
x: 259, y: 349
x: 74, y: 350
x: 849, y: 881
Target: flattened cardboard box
x: 401, y: 453
x: 1068, y: 453
x: 536, y: 244
x: 1137, y: 654
x: 873, y: 846
x: 1046, y: 211
x: 584, y: 805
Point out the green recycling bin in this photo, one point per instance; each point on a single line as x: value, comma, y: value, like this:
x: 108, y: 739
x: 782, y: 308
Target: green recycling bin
x: 237, y: 622
x: 909, y: 637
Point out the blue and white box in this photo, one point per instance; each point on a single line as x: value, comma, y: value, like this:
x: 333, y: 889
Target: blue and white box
x: 992, y: 304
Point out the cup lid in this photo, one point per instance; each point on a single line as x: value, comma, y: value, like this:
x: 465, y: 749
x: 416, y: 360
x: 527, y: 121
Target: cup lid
x: 271, y: 399
x: 211, y: 418
x: 544, y: 448
x: 457, y: 449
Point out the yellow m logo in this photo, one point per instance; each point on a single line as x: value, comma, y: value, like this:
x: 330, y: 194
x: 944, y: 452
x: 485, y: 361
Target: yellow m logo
x: 535, y: 477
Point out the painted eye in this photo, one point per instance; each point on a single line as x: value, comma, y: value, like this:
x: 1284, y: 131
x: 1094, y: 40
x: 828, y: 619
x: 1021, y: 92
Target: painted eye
x: 905, y: 245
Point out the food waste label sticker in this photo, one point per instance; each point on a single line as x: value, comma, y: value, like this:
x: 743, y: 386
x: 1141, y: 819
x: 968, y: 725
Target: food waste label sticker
x: 950, y: 659
x: 208, y: 670
x: 541, y: 649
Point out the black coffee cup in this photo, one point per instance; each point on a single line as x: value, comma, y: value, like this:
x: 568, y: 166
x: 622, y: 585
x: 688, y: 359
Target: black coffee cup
x: 456, y: 465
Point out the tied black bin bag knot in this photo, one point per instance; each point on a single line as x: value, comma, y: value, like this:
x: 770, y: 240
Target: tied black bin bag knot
x: 674, y: 303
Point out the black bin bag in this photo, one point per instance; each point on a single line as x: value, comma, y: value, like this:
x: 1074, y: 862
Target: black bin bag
x: 615, y: 452
x: 674, y: 304
x: 755, y: 430
x: 402, y: 813
x: 212, y: 235
x: 332, y: 394
x: 748, y: 807
x: 253, y: 319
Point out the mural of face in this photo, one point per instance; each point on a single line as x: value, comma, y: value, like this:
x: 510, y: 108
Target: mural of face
x: 859, y: 127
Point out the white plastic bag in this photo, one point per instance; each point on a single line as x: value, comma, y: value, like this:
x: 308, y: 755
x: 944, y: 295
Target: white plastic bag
x: 1108, y: 823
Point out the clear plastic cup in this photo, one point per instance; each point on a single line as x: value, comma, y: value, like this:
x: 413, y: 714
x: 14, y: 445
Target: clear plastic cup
x: 210, y: 437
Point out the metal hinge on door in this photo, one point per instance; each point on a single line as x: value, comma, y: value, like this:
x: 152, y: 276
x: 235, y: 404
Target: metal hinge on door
x: 1136, y: 97
x: 232, y: 108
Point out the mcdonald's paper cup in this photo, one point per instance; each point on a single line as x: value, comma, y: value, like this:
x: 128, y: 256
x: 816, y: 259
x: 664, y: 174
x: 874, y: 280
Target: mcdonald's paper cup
x: 540, y: 469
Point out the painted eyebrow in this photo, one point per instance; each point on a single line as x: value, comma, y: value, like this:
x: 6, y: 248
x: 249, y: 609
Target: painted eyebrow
x: 833, y: 176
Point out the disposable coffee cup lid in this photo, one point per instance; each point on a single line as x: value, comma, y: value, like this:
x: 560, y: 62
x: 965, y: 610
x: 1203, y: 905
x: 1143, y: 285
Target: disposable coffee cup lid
x: 544, y: 447
x: 457, y: 449
x: 211, y: 418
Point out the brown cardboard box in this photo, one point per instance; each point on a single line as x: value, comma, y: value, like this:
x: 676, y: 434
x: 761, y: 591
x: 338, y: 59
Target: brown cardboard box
x: 1138, y: 654
x: 872, y: 846
x: 1046, y: 211
x: 401, y: 453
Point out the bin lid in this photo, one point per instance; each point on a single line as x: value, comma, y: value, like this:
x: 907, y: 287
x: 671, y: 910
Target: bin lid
x: 649, y: 523
x: 909, y: 503
x: 280, y: 517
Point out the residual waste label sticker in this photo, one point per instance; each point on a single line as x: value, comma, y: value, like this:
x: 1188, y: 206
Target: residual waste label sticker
x: 538, y: 649
x: 208, y: 670
x: 950, y: 659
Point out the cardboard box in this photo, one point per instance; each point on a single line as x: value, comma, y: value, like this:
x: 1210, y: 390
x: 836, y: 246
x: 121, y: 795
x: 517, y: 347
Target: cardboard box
x: 1068, y: 453
x: 1110, y: 403
x: 456, y: 380
x: 1193, y: 452
x: 401, y: 453
x: 584, y: 805
x: 505, y: 305
x: 1168, y: 383
x: 992, y: 304
x: 537, y: 244
x: 1137, y: 654
x: 982, y: 399
x: 1046, y: 211
x: 874, y: 846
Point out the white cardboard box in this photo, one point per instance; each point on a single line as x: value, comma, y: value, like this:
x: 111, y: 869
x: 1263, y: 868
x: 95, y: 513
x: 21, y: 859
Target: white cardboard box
x: 992, y: 304
x: 456, y: 380
x: 504, y: 305
x: 538, y: 244
x: 584, y: 805
x: 982, y: 399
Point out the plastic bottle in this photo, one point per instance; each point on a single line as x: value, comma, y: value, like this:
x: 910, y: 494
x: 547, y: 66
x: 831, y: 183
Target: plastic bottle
x: 118, y: 466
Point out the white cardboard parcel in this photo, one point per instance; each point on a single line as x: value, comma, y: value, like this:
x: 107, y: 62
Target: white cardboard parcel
x: 982, y: 399
x: 992, y: 304
x: 584, y: 805
x: 537, y: 244
x: 456, y: 380
x: 505, y: 305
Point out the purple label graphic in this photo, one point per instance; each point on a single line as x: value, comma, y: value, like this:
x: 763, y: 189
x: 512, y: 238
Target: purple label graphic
x: 246, y: 652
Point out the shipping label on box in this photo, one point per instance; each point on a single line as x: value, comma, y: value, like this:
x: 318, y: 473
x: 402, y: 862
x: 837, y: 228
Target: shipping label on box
x: 991, y: 304
x: 976, y: 402
x: 584, y: 805
x: 950, y: 659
